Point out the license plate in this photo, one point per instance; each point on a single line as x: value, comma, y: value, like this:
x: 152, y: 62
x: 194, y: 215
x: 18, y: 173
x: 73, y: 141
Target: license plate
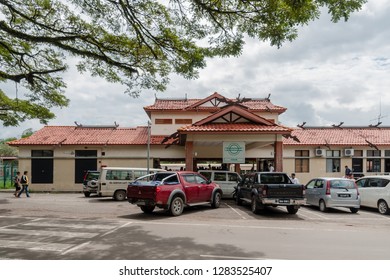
x: 344, y: 195
x: 284, y: 200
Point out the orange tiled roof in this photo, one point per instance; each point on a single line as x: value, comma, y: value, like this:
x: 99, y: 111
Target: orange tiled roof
x: 348, y: 136
x: 235, y: 127
x: 256, y: 105
x: 73, y: 135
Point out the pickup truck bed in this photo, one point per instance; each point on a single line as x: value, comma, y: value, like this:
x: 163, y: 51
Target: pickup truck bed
x: 262, y: 189
x: 173, y: 191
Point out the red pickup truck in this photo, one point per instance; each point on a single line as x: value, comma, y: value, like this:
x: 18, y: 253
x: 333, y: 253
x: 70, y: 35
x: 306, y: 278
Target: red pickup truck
x: 173, y: 191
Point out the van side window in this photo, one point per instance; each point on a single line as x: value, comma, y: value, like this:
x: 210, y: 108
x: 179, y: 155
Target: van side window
x: 206, y: 174
x: 232, y: 177
x: 219, y: 176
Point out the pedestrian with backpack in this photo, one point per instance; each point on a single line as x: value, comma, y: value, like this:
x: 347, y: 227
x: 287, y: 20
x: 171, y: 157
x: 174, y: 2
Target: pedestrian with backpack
x: 17, y: 184
x: 24, y: 182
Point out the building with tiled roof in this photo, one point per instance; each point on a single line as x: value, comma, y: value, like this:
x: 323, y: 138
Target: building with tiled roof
x: 196, y: 132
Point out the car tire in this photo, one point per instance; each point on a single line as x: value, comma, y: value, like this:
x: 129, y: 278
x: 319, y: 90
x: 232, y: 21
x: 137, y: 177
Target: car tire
x: 120, y: 195
x: 292, y: 209
x: 254, y: 207
x: 238, y: 199
x: 383, y: 208
x: 147, y: 209
x: 322, y: 206
x: 216, y: 200
x: 87, y: 194
x: 354, y: 210
x: 177, y: 206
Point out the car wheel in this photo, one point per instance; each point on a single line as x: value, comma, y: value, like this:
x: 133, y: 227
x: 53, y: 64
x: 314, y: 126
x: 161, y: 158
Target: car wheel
x: 238, y: 199
x: 292, y: 209
x: 87, y: 194
x: 216, y: 200
x: 354, y: 210
x: 323, y: 207
x: 147, y: 209
x: 176, y: 207
x: 383, y: 208
x: 254, y: 207
x: 120, y: 195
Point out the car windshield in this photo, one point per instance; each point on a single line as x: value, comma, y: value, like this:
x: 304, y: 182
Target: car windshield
x: 342, y: 184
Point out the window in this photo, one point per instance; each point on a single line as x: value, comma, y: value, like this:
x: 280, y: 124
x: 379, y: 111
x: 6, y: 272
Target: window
x: 374, y: 161
x: 302, y: 161
x: 233, y: 177
x: 42, y: 166
x: 183, y: 121
x: 333, y: 161
x: 219, y: 176
x: 189, y: 178
x: 357, y: 161
x: 163, y: 121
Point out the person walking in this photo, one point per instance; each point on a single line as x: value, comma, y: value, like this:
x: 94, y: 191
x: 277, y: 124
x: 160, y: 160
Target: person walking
x: 348, y: 172
x: 24, y: 182
x: 17, y: 183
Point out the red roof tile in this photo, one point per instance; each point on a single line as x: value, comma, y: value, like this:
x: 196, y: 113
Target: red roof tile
x: 256, y: 105
x: 351, y: 136
x: 73, y: 135
x: 235, y: 127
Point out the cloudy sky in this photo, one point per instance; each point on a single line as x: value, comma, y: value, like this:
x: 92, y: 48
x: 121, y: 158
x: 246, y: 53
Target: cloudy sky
x: 332, y: 73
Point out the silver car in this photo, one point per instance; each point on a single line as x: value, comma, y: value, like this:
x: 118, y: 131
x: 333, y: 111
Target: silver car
x: 333, y: 192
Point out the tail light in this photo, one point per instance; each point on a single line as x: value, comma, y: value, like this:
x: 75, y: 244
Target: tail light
x: 158, y: 189
x: 265, y: 190
x: 328, y: 187
x: 303, y: 190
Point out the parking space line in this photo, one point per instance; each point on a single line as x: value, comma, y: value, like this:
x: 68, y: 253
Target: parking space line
x: 230, y: 257
x: 115, y: 229
x: 234, y: 210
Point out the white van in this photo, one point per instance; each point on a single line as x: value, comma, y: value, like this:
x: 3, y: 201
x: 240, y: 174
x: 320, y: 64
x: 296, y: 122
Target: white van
x: 227, y: 180
x: 113, y: 181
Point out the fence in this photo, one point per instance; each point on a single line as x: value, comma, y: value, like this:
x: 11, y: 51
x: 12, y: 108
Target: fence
x: 8, y: 169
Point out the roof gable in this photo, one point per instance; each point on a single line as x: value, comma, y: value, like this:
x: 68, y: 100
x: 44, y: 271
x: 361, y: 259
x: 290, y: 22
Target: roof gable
x: 233, y: 114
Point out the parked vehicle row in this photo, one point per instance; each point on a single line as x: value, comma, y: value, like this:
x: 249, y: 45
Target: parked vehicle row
x: 175, y: 190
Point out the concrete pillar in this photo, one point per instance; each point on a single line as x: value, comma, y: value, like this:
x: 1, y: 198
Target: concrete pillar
x: 278, y: 155
x: 189, y: 156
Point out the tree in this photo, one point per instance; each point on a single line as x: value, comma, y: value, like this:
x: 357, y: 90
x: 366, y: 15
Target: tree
x: 6, y: 150
x: 138, y: 43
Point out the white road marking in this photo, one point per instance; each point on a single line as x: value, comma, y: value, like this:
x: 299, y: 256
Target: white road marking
x: 36, y: 246
x: 231, y: 257
x: 234, y: 210
x: 34, y: 232
x: 115, y: 229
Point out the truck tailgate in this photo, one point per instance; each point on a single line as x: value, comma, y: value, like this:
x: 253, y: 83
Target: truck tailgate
x: 285, y: 190
x: 141, y: 191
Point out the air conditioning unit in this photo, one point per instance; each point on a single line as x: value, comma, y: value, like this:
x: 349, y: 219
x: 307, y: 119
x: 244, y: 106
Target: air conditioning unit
x: 320, y: 152
x: 348, y: 152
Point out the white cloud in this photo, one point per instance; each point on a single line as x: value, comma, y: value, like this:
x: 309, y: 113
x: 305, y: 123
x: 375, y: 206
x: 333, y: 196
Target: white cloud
x: 332, y: 72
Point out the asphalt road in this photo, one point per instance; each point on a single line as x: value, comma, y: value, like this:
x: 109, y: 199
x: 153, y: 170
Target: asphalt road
x: 72, y: 227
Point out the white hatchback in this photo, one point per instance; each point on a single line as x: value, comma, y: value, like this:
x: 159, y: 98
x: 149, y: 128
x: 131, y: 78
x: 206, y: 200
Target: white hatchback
x: 375, y: 192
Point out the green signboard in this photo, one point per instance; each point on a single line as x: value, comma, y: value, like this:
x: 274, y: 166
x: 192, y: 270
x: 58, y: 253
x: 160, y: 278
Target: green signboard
x: 233, y: 152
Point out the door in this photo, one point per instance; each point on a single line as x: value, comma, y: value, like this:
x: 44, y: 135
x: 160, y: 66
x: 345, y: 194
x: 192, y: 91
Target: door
x: 310, y: 192
x: 191, y: 188
x: 205, y: 190
x: 318, y: 191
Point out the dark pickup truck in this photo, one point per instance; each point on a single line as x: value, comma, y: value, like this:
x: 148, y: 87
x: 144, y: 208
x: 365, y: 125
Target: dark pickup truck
x: 262, y: 189
x: 173, y: 191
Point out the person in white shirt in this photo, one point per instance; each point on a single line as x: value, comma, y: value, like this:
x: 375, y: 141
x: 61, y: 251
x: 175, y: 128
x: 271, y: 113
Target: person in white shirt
x: 294, y: 179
